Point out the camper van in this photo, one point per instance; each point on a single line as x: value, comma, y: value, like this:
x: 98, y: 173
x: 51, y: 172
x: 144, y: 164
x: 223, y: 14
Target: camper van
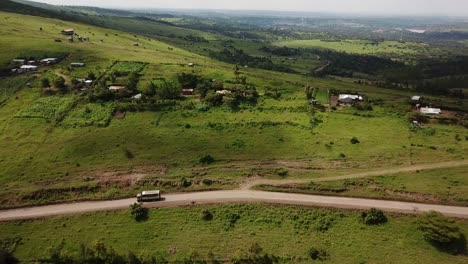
x: 149, y: 196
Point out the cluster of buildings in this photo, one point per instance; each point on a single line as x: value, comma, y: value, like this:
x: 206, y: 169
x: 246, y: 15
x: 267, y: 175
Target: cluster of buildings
x: 349, y: 98
x: 23, y: 65
x: 417, y: 101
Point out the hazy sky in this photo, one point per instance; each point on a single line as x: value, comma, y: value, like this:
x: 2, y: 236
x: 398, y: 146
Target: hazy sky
x: 394, y: 7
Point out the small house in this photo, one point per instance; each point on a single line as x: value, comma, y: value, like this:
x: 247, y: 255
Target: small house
x: 191, y: 64
x: 137, y: 97
x: 28, y: 68
x: 349, y: 98
x: 88, y: 82
x: 430, y: 111
x: 116, y: 87
x: 68, y: 32
x: 188, y: 91
x: 18, y: 62
x: 223, y: 92
x: 416, y: 98
x: 49, y: 61
x: 77, y: 64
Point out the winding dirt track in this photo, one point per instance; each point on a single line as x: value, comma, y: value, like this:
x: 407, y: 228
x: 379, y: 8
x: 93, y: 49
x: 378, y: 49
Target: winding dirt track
x: 245, y: 195
x: 451, y: 164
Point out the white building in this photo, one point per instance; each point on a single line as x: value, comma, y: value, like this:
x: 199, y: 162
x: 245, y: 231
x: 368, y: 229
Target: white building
x: 27, y: 68
x: 431, y: 111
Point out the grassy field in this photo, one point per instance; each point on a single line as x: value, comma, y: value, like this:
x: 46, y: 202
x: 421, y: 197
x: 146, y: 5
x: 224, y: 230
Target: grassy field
x: 358, y: 46
x: 440, y: 186
x: 285, y: 231
x: 77, y: 150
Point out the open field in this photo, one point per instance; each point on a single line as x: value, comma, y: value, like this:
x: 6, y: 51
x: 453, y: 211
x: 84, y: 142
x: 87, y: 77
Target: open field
x: 286, y: 231
x: 441, y: 186
x: 359, y: 46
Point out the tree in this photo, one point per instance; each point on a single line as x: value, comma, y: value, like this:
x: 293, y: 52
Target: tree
x: 207, y: 159
x: 45, y: 83
x: 138, y: 212
x: 150, y: 89
x: 207, y: 215
x: 91, y: 76
x: 373, y: 217
x: 214, y: 99
x: 61, y: 85
x: 442, y: 232
x: 188, y: 80
x: 355, y: 141
x: 318, y: 254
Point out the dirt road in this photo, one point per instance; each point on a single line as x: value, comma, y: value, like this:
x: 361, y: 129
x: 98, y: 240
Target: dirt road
x: 451, y: 164
x: 221, y: 197
x: 246, y: 195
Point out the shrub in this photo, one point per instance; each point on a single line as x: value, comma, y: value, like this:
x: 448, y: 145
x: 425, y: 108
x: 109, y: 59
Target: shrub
x: 354, y: 141
x: 207, y: 159
x: 232, y: 218
x: 318, y: 254
x: 342, y: 155
x: 129, y: 154
x: 282, y: 172
x: 373, y: 217
x: 442, y: 232
x: 207, y: 182
x: 45, y: 83
x: 138, y: 212
x: 255, y: 249
x: 207, y: 215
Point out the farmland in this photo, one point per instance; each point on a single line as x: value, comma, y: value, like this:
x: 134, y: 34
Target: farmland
x: 287, y: 232
x: 66, y: 153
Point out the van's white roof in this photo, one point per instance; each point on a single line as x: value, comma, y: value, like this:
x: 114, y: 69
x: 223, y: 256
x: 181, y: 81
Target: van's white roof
x: 156, y: 192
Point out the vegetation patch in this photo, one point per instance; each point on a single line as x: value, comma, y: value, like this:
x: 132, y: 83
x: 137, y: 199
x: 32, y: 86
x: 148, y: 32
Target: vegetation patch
x: 89, y: 115
x: 50, y: 108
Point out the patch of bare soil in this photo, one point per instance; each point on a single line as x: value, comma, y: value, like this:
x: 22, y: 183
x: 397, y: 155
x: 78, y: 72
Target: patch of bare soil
x: 124, y: 178
x: 413, y: 196
x: 120, y: 114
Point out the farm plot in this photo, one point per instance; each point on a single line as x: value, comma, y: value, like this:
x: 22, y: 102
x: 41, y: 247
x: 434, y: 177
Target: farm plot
x: 89, y: 115
x: 53, y: 107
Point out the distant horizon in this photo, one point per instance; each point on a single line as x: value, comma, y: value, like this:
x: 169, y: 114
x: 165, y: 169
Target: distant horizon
x: 398, y: 8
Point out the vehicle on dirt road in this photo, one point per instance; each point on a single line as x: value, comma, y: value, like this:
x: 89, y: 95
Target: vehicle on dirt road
x: 149, y: 196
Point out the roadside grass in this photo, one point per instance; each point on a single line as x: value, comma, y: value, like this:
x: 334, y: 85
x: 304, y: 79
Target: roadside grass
x: 285, y: 231
x: 438, y: 186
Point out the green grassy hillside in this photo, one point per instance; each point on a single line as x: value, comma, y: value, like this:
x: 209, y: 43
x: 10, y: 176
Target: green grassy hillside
x: 66, y: 147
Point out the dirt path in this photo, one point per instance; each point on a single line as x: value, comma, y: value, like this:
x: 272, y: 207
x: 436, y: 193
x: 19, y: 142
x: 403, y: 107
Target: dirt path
x: 451, y: 164
x: 246, y: 195
x: 221, y: 197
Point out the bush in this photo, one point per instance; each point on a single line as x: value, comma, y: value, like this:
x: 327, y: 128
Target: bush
x: 318, y: 254
x: 207, y: 159
x: 282, y: 172
x: 373, y: 217
x: 354, y: 141
x: 207, y: 215
x: 45, y: 83
x: 442, y: 232
x: 138, y: 212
